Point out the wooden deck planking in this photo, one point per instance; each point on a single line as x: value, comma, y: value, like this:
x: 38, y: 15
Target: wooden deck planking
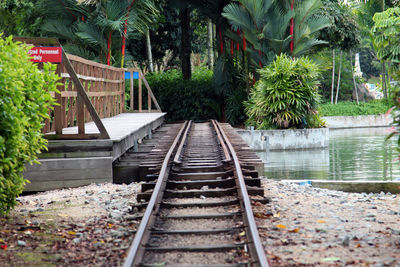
x: 72, y: 163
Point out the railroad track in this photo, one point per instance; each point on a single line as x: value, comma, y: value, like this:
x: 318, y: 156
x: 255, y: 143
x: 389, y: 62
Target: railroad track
x: 199, y: 210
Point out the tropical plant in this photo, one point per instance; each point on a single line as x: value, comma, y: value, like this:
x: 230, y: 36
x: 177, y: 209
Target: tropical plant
x: 286, y: 95
x: 98, y: 29
x: 25, y: 100
x: 386, y: 32
x: 264, y: 26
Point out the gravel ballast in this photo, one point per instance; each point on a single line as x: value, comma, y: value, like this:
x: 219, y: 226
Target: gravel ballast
x: 301, y: 226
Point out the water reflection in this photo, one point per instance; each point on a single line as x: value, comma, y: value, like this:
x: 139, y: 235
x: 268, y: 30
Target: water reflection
x: 354, y: 154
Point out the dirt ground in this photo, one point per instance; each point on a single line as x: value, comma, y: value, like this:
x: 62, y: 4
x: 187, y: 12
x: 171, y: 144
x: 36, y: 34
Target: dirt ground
x: 301, y: 226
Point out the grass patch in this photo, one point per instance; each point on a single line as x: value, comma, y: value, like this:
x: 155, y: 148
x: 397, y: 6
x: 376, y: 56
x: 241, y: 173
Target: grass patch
x: 376, y: 107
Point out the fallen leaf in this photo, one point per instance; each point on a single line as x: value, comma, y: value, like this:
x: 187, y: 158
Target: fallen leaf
x: 242, y: 233
x: 330, y: 259
x: 295, y: 230
x: 4, y: 247
x: 277, y: 215
x: 281, y: 226
x: 261, y: 215
x: 72, y: 233
x: 62, y: 215
x: 321, y: 221
x: 1, y: 241
x: 110, y: 225
x: 358, y: 245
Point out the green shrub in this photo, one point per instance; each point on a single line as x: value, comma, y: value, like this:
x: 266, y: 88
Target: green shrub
x: 286, y: 95
x: 24, y: 103
x: 194, y: 99
x: 375, y: 107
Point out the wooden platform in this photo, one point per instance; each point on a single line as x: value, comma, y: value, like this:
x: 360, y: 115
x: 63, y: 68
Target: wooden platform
x: 71, y: 163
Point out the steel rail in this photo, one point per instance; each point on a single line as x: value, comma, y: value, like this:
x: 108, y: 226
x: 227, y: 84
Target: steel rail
x: 220, y: 140
x: 182, y: 144
x: 136, y: 251
x: 256, y: 248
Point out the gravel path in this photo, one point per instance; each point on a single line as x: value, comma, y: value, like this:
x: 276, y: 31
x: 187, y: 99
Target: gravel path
x: 301, y: 226
x: 307, y: 226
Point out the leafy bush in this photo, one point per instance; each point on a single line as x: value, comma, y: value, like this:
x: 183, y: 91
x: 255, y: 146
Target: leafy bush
x: 193, y: 99
x: 286, y: 95
x: 24, y: 103
x: 375, y: 107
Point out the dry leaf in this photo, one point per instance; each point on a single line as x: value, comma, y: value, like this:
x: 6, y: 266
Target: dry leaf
x: 295, y: 230
x: 321, y: 221
x: 72, y: 233
x: 3, y: 247
x: 242, y: 233
x: 281, y: 226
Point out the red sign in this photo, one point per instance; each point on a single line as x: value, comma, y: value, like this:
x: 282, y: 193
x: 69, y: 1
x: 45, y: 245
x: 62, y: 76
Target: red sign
x: 46, y: 54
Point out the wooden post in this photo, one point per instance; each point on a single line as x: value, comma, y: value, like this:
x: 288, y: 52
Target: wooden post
x: 151, y: 94
x: 80, y: 114
x: 58, y: 117
x: 140, y: 92
x: 131, y: 92
x: 82, y: 94
x: 148, y: 100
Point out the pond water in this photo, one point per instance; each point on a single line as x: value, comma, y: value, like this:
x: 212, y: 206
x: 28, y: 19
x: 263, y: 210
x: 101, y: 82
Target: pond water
x: 353, y: 154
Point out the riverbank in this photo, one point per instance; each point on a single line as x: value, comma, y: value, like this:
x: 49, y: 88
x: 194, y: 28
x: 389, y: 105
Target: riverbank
x: 301, y: 226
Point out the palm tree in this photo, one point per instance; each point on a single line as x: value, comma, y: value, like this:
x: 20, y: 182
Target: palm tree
x: 98, y: 28
x: 264, y: 25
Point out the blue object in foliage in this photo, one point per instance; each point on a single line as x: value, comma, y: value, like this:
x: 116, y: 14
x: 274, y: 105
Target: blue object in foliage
x: 128, y: 75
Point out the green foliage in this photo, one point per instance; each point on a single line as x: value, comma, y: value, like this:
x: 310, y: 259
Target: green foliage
x: 87, y: 28
x: 265, y: 25
x: 24, y: 103
x: 21, y: 17
x: 375, y: 107
x: 185, y: 99
x: 343, y: 32
x: 386, y: 32
x: 286, y: 95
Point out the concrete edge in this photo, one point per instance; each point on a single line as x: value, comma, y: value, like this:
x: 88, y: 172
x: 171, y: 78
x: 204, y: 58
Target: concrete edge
x: 355, y: 186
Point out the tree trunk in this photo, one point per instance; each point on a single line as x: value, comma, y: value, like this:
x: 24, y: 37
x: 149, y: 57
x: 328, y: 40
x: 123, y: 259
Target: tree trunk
x: 184, y: 16
x: 109, y: 48
x: 149, y: 54
x: 333, y: 75
x: 210, y: 48
x: 352, y: 73
x: 340, y: 72
x: 384, y: 85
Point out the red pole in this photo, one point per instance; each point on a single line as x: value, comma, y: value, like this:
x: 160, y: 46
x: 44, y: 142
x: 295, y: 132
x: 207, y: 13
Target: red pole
x: 124, y: 35
x: 291, y: 30
x: 237, y: 45
x: 220, y: 41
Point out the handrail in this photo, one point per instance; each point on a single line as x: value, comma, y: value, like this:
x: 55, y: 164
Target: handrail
x: 256, y: 248
x: 142, y: 234
x: 150, y: 96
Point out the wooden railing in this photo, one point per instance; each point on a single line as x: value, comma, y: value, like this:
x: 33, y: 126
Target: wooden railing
x: 89, y: 91
x: 104, y: 85
x: 150, y: 96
